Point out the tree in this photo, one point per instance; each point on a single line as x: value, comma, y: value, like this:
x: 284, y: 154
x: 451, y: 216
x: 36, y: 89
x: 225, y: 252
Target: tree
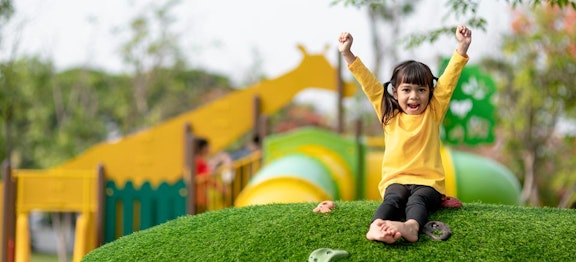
x: 384, y: 41
x: 6, y: 11
x: 6, y: 108
x: 536, y: 91
x: 162, y: 85
x: 151, y: 46
x: 466, y: 9
x: 10, y: 101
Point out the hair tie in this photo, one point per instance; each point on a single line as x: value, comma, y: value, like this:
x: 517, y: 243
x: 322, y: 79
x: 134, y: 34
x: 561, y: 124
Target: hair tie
x: 388, y: 86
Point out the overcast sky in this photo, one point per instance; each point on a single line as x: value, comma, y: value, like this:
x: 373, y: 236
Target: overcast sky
x: 226, y: 36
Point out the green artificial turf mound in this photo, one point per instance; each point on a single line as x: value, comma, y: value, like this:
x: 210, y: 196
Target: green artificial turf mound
x: 290, y: 232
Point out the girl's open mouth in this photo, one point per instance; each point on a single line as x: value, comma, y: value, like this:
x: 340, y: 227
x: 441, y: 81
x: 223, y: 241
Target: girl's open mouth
x: 413, y: 107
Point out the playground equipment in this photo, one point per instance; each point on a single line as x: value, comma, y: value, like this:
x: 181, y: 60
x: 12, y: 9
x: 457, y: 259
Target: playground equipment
x: 156, y: 154
x: 59, y: 191
x: 144, y: 172
x: 312, y: 165
x: 307, y: 166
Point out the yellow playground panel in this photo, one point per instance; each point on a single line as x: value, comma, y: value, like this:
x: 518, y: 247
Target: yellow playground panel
x: 57, y: 191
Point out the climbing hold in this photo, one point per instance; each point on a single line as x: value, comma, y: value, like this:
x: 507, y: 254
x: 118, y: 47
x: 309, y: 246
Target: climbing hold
x: 437, y: 230
x: 327, y: 254
x: 325, y: 207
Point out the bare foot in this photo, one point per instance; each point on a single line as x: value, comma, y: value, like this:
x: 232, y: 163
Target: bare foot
x: 408, y: 230
x: 380, y: 231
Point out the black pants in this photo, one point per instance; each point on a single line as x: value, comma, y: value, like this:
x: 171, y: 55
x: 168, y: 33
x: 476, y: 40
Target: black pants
x: 403, y: 202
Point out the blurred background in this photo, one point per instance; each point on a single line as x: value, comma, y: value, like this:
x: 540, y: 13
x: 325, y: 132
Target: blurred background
x: 124, y: 66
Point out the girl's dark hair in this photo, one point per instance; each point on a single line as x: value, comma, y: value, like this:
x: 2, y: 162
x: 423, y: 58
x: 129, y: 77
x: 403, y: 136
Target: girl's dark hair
x: 408, y: 72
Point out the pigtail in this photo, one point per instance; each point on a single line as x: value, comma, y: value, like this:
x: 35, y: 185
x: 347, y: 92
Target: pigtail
x: 389, y: 103
x: 432, y: 87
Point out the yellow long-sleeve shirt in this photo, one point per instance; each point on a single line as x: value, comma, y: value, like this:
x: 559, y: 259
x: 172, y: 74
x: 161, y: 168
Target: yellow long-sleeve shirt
x: 412, y: 154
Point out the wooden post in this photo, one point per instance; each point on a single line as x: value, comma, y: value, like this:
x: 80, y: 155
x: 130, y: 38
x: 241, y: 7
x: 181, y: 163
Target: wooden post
x: 9, y: 214
x: 101, y: 202
x: 256, y: 114
x: 263, y: 128
x: 189, y: 169
x: 9, y: 207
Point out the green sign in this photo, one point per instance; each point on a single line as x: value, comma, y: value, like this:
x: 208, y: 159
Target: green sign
x: 470, y: 119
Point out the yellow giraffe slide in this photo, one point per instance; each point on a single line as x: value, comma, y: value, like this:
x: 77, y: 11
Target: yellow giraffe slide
x: 156, y: 154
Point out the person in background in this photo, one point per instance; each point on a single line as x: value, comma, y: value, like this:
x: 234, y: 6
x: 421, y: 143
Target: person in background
x: 253, y: 145
x: 205, y: 163
x: 206, y: 166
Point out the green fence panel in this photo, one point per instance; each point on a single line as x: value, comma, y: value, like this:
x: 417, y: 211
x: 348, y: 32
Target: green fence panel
x: 147, y: 207
x: 128, y: 196
x: 136, y: 209
x: 110, y: 211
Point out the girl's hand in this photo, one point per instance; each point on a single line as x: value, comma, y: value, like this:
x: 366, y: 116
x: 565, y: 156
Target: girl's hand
x: 344, y: 42
x: 464, y: 38
x: 463, y: 35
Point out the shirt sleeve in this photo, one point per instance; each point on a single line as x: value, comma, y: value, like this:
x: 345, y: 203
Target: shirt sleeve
x: 372, y: 88
x: 446, y: 84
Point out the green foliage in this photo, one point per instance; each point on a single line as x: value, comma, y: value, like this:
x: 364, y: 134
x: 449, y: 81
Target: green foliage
x: 26, y: 85
x: 161, y: 85
x: 462, y: 5
x: 53, y: 116
x: 290, y: 232
x: 6, y: 10
x: 536, y: 89
x: 463, y: 10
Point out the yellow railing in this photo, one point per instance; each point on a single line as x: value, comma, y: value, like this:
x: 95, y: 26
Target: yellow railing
x: 234, y: 180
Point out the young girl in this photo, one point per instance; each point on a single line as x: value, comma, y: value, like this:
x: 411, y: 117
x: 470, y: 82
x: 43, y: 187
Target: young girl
x: 411, y: 107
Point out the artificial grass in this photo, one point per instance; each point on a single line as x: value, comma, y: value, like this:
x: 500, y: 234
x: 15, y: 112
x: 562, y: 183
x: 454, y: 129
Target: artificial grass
x: 290, y: 232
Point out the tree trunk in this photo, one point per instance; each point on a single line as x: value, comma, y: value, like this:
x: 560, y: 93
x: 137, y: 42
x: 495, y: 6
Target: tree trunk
x: 140, y: 94
x: 530, y: 194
